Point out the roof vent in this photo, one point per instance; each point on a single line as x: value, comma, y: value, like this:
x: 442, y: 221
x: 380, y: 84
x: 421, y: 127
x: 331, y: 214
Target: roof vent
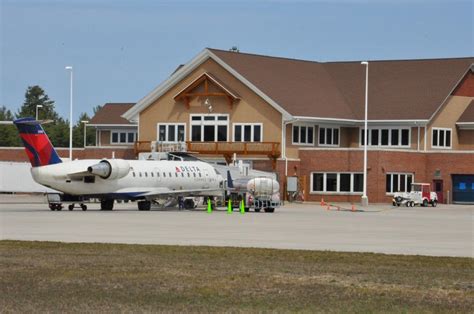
x: 234, y: 49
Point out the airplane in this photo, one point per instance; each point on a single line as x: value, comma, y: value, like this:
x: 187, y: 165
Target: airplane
x: 115, y: 179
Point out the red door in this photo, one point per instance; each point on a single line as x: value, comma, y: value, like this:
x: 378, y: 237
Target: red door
x: 438, y: 188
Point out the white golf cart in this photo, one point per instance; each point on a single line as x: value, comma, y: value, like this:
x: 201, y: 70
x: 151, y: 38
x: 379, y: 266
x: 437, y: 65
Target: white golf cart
x: 420, y: 194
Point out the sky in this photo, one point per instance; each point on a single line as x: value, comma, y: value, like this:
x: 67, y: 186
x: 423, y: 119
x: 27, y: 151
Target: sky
x: 121, y: 50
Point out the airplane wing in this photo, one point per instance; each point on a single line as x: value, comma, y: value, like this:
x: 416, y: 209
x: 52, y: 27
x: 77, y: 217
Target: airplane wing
x: 163, y: 191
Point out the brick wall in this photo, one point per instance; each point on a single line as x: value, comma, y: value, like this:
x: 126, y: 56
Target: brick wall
x: 426, y: 167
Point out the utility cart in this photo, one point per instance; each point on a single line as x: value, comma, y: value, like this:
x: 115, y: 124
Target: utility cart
x: 420, y: 194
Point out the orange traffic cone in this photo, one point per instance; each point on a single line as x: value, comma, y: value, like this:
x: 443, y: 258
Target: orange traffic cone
x: 353, y: 208
x: 322, y: 202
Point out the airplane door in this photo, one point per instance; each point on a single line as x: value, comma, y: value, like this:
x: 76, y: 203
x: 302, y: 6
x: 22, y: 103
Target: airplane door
x: 207, y: 179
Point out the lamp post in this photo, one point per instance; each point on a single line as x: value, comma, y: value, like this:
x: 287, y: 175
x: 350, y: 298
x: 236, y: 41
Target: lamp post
x: 85, y: 123
x: 38, y: 106
x: 364, y: 199
x: 70, y: 113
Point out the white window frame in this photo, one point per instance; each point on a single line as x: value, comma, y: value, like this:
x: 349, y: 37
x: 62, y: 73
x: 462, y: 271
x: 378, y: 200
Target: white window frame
x: 126, y: 137
x: 438, y: 146
x: 406, y: 174
x: 338, y: 183
x: 167, y: 132
x: 252, y: 130
x: 203, y: 122
x: 299, y: 133
x: 380, y: 128
x: 332, y: 136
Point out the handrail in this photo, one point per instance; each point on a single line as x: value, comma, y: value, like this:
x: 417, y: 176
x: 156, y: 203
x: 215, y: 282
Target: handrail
x: 219, y: 148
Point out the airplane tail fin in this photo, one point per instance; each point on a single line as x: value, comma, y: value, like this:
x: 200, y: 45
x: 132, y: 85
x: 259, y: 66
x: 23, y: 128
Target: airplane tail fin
x: 37, y: 144
x: 230, y: 182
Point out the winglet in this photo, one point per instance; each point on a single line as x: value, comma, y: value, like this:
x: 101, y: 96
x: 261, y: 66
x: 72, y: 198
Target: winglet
x: 230, y: 182
x: 39, y: 149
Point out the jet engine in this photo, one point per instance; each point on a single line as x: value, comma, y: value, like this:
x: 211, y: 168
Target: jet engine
x: 263, y: 187
x: 110, y: 169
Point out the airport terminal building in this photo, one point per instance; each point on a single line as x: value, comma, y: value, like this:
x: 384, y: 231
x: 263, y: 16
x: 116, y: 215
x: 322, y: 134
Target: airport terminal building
x: 306, y: 119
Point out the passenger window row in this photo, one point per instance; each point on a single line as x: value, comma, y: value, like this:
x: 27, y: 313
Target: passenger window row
x: 152, y: 174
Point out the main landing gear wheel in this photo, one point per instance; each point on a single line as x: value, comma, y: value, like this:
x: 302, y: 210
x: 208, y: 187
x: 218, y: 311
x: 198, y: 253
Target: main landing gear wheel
x: 106, y: 204
x: 144, y: 205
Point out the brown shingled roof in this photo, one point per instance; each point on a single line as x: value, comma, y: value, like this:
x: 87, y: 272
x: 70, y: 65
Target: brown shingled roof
x: 468, y: 114
x: 110, y: 113
x: 398, y: 90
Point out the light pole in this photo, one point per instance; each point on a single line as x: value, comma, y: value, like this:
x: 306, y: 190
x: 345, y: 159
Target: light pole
x: 85, y: 123
x: 365, y: 199
x: 38, y: 106
x: 70, y: 114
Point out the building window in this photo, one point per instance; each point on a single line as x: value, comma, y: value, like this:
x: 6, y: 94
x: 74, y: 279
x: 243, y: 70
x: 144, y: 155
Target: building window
x: 398, y: 182
x: 209, y: 128
x: 303, y: 135
x: 248, y: 132
x: 328, y: 136
x: 171, y: 132
x: 335, y: 182
x: 386, y: 137
x: 441, y: 138
x: 123, y: 137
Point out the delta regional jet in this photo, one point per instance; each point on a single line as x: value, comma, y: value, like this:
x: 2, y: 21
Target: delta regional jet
x: 115, y: 179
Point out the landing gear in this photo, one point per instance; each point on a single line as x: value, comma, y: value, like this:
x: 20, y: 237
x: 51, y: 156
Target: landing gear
x: 106, y: 204
x: 144, y: 205
x: 54, y: 207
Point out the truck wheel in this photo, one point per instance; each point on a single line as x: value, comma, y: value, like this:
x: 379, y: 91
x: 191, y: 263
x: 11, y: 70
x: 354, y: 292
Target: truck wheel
x: 412, y: 204
x: 269, y: 210
x: 434, y: 203
x: 188, y: 204
x: 107, y: 204
x: 144, y: 205
x: 257, y: 210
x: 70, y: 207
x: 83, y: 207
x: 52, y: 207
x: 425, y: 203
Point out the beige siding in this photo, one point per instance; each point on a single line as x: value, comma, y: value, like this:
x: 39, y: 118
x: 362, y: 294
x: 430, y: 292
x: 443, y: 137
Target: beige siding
x: 447, y: 118
x: 105, y: 138
x: 465, y: 139
x: 250, y: 108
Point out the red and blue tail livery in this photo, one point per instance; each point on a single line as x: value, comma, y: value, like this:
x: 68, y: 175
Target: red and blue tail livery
x: 37, y: 144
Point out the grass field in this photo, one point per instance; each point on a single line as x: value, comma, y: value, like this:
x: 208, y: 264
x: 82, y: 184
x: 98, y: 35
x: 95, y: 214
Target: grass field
x: 58, y: 277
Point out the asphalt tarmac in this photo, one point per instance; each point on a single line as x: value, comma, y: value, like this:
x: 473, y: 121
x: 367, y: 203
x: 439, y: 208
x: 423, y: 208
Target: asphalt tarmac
x: 446, y: 230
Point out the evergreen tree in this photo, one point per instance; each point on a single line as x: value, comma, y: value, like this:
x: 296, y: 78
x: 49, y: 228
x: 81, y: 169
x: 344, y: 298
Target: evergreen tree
x: 8, y: 133
x: 35, y: 96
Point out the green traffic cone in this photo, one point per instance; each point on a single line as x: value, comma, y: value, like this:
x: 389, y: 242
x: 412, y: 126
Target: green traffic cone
x: 229, y: 206
x: 242, y: 207
x: 209, y: 207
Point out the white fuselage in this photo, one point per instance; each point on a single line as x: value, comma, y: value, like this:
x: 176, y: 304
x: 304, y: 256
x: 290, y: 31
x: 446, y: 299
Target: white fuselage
x: 138, y: 178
